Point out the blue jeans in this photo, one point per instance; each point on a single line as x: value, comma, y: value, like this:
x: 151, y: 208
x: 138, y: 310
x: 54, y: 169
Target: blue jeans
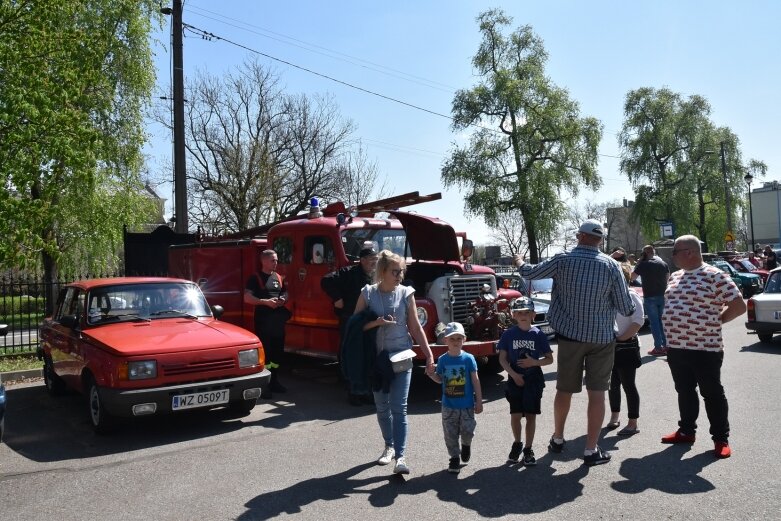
x: 654, y: 306
x: 392, y: 412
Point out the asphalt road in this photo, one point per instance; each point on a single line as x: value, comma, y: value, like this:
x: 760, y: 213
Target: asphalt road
x: 311, y: 456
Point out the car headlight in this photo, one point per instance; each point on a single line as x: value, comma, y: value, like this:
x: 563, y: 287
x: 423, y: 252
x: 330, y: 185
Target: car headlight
x: 422, y: 315
x: 142, y: 370
x: 248, y: 358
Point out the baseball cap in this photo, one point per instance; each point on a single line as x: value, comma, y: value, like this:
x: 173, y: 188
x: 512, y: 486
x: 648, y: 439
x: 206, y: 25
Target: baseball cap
x: 592, y: 227
x: 367, y: 248
x: 523, y: 304
x: 454, y: 328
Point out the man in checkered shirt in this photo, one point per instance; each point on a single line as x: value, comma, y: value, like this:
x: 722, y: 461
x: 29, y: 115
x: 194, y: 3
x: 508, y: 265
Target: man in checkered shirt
x: 589, y: 288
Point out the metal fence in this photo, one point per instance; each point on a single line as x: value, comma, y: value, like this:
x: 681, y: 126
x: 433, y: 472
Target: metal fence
x: 23, y: 305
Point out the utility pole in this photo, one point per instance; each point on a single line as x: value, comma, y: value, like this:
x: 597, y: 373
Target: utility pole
x: 180, y: 170
x: 726, y: 190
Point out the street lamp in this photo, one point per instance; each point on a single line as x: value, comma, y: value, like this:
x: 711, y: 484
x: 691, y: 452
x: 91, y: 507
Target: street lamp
x: 748, y: 178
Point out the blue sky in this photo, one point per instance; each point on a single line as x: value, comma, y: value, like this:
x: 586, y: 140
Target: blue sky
x: 420, y: 52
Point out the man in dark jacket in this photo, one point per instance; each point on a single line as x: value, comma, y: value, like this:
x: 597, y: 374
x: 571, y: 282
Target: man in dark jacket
x: 344, y: 287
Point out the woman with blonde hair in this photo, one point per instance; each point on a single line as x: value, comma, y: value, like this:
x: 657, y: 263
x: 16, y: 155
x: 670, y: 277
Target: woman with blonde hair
x: 397, y: 323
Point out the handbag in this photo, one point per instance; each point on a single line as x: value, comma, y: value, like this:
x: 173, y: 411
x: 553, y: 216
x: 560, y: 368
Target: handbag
x: 402, y: 360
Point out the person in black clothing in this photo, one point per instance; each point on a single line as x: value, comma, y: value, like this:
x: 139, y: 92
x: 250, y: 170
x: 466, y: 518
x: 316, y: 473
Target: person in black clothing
x: 267, y: 291
x: 654, y: 274
x: 343, y: 287
x: 771, y: 262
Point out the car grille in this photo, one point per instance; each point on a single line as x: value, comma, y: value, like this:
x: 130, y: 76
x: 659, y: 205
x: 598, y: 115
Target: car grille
x: 198, y: 367
x: 465, y: 291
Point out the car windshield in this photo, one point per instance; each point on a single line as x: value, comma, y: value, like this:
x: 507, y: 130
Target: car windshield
x: 773, y: 283
x: 725, y: 267
x: 382, y: 239
x: 145, y: 301
x: 747, y: 265
x: 540, y: 285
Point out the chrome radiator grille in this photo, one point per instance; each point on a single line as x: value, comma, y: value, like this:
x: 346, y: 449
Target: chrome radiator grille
x: 465, y: 291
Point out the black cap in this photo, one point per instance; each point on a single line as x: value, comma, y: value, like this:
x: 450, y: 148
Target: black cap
x: 365, y: 252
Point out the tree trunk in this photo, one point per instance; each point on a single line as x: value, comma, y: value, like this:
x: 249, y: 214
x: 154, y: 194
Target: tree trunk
x: 49, y: 278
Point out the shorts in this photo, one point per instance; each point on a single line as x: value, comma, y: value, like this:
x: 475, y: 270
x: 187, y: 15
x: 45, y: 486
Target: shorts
x: 523, y: 400
x: 574, y: 357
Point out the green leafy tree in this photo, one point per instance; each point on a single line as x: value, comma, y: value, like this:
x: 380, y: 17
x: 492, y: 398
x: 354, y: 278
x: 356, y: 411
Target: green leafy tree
x: 74, y: 78
x: 670, y: 151
x: 529, y: 143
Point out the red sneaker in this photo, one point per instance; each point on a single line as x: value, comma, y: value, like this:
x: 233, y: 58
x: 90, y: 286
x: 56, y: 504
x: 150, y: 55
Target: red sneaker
x: 678, y: 437
x: 658, y: 351
x: 722, y: 450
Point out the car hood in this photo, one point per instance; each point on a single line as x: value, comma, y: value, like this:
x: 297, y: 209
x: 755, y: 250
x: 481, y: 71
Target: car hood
x: 429, y: 238
x: 168, y: 335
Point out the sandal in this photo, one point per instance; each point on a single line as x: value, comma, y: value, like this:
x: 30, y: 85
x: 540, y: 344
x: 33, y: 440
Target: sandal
x: 613, y: 425
x: 628, y: 431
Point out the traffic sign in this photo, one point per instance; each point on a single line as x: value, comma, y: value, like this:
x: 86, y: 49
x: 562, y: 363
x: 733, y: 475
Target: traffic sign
x: 729, y: 237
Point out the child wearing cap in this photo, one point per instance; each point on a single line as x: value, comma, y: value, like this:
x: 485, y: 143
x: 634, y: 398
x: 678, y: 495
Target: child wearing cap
x: 523, y: 350
x: 462, y: 396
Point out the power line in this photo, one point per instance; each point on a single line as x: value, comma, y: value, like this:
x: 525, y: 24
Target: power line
x: 330, y: 53
x: 211, y: 36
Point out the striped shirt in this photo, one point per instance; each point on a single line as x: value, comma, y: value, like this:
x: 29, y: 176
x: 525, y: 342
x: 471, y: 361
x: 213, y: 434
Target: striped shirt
x: 588, y: 290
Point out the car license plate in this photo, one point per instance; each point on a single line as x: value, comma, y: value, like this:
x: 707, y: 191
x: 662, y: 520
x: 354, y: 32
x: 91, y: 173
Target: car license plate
x: 204, y: 399
x: 547, y: 330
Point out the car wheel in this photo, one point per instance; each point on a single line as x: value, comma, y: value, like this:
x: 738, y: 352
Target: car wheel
x: 242, y: 407
x: 767, y: 338
x: 102, y: 421
x: 54, y: 384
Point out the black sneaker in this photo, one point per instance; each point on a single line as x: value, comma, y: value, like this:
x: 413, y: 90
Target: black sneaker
x: 528, y: 457
x: 515, y: 452
x: 555, y: 447
x: 598, y: 457
x: 466, y: 452
x: 455, y: 466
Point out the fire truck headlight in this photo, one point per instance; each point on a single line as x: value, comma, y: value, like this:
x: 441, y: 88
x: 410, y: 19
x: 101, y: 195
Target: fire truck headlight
x: 422, y: 316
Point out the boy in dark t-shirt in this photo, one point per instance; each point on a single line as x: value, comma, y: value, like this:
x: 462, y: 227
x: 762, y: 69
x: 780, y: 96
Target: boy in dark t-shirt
x: 523, y: 350
x: 462, y: 396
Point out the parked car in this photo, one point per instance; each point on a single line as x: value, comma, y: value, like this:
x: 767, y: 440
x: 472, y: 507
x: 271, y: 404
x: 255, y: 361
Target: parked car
x: 745, y: 266
x: 764, y: 310
x: 513, y: 285
x: 749, y: 283
x: 2, y: 411
x: 137, y: 346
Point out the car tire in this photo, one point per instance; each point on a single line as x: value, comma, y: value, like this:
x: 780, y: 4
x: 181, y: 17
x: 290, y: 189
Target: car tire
x: 55, y: 386
x: 766, y: 338
x: 242, y: 407
x: 102, y: 422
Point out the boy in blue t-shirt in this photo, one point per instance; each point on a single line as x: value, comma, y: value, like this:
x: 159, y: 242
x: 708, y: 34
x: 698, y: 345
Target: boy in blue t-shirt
x: 523, y: 350
x: 462, y: 396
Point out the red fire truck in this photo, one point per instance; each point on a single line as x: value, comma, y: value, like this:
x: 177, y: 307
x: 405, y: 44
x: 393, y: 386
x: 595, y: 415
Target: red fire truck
x: 447, y: 286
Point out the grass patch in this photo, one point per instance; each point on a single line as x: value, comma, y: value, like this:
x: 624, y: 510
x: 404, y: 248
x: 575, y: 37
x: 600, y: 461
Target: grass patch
x: 19, y: 363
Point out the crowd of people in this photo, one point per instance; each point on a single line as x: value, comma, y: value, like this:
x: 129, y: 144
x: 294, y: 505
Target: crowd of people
x: 596, y: 319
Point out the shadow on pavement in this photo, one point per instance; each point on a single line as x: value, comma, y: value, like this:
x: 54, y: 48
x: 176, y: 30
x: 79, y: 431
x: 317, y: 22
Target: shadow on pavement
x: 773, y: 348
x: 666, y: 471
x: 484, y: 492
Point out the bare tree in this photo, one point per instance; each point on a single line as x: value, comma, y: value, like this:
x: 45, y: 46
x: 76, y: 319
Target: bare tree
x: 359, y: 178
x: 257, y: 154
x: 509, y: 232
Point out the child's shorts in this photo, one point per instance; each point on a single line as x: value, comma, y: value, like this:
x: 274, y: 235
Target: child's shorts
x: 525, y: 400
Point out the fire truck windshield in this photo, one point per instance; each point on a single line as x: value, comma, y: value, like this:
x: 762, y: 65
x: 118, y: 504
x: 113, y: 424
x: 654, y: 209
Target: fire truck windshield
x: 383, y: 239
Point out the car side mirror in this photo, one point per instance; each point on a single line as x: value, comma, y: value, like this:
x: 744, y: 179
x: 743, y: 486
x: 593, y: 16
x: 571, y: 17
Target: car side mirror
x: 217, y: 310
x: 467, y: 249
x: 70, y: 321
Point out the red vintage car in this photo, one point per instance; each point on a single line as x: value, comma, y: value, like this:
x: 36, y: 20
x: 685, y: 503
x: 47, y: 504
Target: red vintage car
x: 137, y: 346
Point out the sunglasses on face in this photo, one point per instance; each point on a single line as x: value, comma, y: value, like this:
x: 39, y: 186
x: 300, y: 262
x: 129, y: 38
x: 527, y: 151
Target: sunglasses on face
x: 676, y: 252
x: 397, y: 272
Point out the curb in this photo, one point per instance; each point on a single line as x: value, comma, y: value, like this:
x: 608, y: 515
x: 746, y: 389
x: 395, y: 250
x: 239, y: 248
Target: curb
x: 13, y: 376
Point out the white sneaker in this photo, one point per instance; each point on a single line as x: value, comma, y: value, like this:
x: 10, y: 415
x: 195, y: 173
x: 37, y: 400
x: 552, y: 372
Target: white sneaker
x: 387, y: 456
x: 401, y: 466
